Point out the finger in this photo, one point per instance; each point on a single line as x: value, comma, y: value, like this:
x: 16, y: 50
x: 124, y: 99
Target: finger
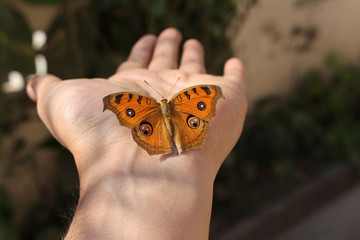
x: 192, y: 59
x: 37, y: 86
x: 166, y: 50
x: 140, y: 54
x: 234, y: 70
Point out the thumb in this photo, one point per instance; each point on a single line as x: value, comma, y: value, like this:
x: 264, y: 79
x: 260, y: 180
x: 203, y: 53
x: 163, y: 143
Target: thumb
x: 39, y: 91
x: 234, y: 70
x: 39, y: 85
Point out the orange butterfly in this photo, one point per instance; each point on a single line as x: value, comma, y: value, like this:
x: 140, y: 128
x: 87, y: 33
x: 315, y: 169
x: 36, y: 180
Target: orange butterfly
x: 179, y: 124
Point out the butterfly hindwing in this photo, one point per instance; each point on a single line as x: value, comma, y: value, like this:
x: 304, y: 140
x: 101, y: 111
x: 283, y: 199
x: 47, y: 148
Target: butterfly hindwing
x: 158, y: 140
x: 186, y: 136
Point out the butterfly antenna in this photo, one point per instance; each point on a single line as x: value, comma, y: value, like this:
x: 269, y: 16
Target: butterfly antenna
x: 173, y: 87
x: 153, y: 88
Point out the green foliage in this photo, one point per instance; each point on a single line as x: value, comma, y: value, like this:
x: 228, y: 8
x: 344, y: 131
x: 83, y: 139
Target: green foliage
x: 15, y: 43
x: 93, y: 40
x: 289, y: 140
x: 15, y: 51
x: 333, y: 61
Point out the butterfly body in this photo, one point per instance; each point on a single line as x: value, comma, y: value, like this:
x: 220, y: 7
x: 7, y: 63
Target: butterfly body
x: 165, y: 110
x: 169, y: 126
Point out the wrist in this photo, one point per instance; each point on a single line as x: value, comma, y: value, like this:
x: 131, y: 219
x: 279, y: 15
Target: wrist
x: 143, y: 196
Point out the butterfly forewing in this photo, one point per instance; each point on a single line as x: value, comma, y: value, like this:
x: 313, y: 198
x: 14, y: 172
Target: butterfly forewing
x: 198, y: 100
x: 130, y: 108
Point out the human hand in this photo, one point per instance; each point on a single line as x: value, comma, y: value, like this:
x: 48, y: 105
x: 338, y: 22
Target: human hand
x: 72, y: 109
x: 105, y: 152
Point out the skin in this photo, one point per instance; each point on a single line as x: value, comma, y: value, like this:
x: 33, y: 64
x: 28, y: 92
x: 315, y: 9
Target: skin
x: 124, y: 192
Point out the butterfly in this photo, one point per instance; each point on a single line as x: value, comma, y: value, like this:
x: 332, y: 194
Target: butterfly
x: 169, y: 126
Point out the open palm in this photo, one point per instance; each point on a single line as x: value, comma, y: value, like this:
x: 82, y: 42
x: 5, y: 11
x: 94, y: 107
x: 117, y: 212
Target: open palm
x: 73, y: 110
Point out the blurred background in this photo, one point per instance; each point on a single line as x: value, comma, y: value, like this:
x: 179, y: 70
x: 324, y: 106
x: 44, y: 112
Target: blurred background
x: 294, y: 172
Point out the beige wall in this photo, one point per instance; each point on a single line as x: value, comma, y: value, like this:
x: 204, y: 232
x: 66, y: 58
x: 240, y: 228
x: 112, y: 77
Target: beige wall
x: 280, y: 40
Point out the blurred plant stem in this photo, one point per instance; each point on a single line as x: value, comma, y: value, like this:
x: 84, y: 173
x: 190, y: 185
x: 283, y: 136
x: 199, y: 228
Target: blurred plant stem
x: 70, y: 15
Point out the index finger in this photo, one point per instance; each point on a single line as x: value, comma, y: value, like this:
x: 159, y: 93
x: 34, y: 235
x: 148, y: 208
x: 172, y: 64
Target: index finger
x: 140, y: 54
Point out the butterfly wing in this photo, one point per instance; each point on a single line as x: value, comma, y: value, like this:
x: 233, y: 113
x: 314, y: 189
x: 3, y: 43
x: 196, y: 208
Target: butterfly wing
x: 192, y: 110
x: 185, y: 137
x: 137, y: 111
x: 130, y: 108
